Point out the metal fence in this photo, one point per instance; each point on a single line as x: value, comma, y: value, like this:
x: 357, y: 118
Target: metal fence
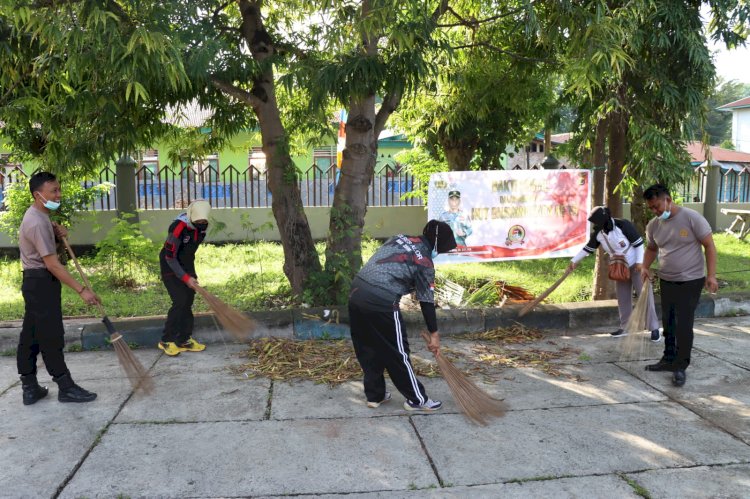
x: 230, y: 187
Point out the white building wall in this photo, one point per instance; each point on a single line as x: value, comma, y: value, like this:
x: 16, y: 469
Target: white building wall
x: 741, y: 129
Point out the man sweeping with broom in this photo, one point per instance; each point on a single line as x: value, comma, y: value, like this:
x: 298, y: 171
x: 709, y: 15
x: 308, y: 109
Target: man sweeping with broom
x: 402, y: 265
x: 43, y: 274
x: 177, y: 261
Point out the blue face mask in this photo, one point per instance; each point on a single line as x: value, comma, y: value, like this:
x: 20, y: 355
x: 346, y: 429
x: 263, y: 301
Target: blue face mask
x: 666, y: 214
x: 434, y: 254
x: 50, y: 205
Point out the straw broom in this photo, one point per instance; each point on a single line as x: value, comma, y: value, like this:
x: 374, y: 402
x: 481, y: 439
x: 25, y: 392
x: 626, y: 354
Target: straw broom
x: 476, y: 404
x: 526, y: 309
x: 634, y: 345
x: 237, y: 323
x: 139, y: 377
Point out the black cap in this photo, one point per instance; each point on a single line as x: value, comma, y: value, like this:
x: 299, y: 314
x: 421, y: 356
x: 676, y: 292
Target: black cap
x: 600, y: 216
x: 442, y: 232
x: 454, y: 194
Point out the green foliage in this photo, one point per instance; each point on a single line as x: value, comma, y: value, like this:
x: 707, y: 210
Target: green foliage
x: 76, y: 199
x: 125, y: 255
x: 83, y: 82
x: 421, y: 164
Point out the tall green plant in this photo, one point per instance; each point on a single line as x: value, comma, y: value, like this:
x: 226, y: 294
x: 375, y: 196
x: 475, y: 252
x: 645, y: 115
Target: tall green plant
x: 125, y: 254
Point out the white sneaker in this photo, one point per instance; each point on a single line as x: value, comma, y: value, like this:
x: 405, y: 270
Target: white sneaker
x: 429, y: 406
x: 375, y: 405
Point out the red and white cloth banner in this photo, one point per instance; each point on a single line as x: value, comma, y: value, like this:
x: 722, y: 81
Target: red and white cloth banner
x: 512, y: 215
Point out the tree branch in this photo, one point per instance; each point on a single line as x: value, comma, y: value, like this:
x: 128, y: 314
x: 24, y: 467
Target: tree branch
x: 236, y: 92
x: 506, y: 52
x: 474, y: 23
x: 389, y: 105
x: 440, y: 10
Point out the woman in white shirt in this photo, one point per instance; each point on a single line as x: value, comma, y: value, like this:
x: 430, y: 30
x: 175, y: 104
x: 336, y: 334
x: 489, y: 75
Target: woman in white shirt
x: 619, y: 236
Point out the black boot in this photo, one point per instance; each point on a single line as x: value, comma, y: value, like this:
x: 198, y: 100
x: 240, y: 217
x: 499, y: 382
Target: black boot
x: 32, y: 391
x: 68, y: 391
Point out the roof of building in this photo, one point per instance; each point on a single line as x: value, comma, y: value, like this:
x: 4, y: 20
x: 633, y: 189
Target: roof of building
x: 561, y: 138
x: 695, y: 149
x: 744, y: 102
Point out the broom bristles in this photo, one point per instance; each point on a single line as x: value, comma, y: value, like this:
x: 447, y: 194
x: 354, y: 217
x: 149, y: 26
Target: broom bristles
x: 634, y: 345
x: 474, y: 402
x: 139, y: 377
x: 240, y: 325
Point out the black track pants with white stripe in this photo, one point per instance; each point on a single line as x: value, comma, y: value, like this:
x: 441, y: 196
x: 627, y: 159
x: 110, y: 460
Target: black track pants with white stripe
x: 380, y: 342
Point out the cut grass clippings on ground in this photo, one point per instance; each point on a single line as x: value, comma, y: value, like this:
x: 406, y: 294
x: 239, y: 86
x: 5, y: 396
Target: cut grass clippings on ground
x: 322, y: 361
x: 516, y: 333
x: 333, y: 362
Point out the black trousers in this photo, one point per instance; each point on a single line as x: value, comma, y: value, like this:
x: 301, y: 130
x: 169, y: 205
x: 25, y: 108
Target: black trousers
x: 42, y: 329
x: 179, y: 325
x: 678, y: 303
x: 380, y: 342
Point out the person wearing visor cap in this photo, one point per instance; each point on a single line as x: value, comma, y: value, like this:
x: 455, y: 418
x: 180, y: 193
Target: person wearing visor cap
x: 459, y: 221
x: 402, y: 265
x: 619, y: 236
x: 177, y: 262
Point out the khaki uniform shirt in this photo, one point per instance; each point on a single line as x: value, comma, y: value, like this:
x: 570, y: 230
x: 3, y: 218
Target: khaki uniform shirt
x: 679, y: 240
x: 36, y: 239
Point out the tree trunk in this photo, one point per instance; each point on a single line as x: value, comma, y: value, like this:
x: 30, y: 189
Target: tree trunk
x: 639, y: 214
x: 459, y: 158
x: 300, y: 257
x: 363, y: 127
x: 603, y: 288
x: 344, y: 248
x: 618, y: 128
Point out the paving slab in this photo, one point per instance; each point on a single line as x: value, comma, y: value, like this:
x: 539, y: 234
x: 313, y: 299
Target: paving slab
x: 575, y: 441
x: 8, y: 373
x: 305, y: 399
x: 217, y: 357
x: 728, y: 482
x: 715, y: 389
x: 728, y: 340
x: 40, y: 445
x: 86, y: 366
x: 203, y: 396
x: 561, y: 488
x: 254, y: 458
x: 527, y: 388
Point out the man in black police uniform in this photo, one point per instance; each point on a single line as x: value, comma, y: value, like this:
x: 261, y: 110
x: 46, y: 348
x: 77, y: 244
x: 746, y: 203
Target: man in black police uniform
x: 402, y: 265
x: 43, y: 274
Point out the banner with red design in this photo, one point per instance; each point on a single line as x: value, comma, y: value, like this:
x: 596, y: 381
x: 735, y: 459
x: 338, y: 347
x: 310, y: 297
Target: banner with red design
x: 512, y: 215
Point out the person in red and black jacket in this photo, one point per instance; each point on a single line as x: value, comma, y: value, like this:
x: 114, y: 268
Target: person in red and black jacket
x: 177, y: 261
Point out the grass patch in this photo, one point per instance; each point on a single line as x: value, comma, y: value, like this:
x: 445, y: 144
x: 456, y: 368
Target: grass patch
x: 637, y: 488
x: 250, y: 277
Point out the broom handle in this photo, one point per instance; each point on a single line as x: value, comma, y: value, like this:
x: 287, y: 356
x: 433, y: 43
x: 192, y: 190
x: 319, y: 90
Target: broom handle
x: 525, y: 310
x: 83, y: 276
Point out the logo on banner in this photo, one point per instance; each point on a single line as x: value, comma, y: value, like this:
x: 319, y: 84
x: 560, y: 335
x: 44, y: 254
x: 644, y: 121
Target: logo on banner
x: 516, y: 235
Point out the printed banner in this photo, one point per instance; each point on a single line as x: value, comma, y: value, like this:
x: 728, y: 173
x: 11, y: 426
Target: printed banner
x: 512, y: 215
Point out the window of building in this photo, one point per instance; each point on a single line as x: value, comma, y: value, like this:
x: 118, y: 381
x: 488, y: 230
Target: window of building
x: 148, y: 164
x: 257, y: 159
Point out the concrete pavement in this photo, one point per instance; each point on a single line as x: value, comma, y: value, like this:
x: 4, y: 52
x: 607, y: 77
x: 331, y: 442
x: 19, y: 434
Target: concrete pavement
x: 605, y: 428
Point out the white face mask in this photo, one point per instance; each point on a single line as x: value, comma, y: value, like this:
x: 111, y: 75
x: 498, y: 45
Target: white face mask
x: 667, y: 213
x: 50, y: 205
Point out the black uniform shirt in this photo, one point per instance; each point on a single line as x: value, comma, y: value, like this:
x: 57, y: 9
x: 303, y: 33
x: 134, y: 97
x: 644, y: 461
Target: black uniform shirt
x: 178, y: 254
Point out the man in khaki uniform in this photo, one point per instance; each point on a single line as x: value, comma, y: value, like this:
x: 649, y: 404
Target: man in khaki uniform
x: 43, y: 274
x: 679, y: 236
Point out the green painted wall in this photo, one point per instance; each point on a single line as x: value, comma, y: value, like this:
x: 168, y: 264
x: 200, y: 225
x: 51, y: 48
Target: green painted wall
x: 380, y: 222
